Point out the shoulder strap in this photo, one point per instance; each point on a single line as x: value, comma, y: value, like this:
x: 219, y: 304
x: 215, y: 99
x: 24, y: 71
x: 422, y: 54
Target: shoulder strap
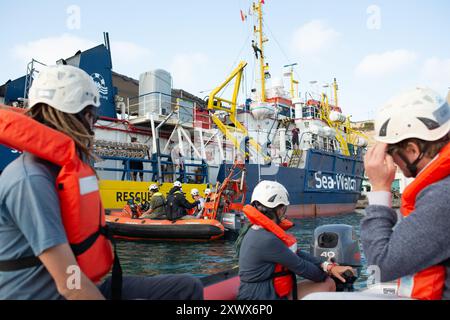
x: 19, y: 264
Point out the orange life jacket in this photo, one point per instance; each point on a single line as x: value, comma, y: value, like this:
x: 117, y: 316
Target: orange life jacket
x: 284, y: 283
x: 427, y: 284
x: 127, y: 212
x: 82, y: 212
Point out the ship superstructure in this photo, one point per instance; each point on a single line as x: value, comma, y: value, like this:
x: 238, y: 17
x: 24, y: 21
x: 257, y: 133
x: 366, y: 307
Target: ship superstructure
x: 180, y: 136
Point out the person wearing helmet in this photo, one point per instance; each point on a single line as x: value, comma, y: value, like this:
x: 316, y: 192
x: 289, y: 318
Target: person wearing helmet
x: 412, y: 133
x: 177, y: 205
x: 157, y: 202
x: 51, y: 207
x: 198, y: 210
x: 268, y: 256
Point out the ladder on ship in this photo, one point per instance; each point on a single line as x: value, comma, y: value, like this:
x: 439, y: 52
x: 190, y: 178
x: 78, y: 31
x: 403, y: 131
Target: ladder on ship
x: 295, y: 159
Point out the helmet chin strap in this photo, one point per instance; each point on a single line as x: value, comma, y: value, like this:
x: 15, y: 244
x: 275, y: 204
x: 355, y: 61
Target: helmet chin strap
x: 268, y: 212
x: 277, y: 219
x: 412, y: 167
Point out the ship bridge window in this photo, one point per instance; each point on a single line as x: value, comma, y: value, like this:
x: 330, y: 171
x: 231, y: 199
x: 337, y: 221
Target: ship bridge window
x: 310, y: 112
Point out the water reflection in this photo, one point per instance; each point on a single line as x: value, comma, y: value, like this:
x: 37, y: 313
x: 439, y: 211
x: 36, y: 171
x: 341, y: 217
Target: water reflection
x: 200, y: 258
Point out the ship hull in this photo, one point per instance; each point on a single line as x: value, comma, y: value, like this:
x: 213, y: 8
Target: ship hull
x: 328, y: 185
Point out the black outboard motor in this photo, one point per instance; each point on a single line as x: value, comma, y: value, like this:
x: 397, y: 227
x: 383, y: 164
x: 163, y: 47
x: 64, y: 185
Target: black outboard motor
x: 232, y: 223
x: 338, y: 243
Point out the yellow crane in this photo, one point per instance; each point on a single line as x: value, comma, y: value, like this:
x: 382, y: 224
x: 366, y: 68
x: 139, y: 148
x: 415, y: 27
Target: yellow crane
x: 349, y: 135
x: 216, y: 103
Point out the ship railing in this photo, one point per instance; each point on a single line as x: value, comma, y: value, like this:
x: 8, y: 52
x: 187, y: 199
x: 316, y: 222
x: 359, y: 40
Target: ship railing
x: 159, y: 105
x: 328, y: 144
x: 185, y: 172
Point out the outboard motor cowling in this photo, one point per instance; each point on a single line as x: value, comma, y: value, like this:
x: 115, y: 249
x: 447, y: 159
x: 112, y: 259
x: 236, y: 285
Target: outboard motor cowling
x: 232, y: 223
x: 338, y: 243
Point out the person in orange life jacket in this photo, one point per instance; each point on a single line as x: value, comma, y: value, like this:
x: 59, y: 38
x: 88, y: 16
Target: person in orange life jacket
x: 412, y: 133
x: 268, y: 256
x: 49, y: 199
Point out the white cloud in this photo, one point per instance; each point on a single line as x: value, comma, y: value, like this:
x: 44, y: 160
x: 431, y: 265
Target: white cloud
x: 49, y: 50
x: 313, y: 38
x: 377, y: 65
x: 130, y: 58
x: 127, y: 57
x: 436, y: 73
x: 189, y: 70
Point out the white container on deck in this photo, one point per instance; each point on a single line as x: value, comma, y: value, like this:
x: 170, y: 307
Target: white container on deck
x: 155, y: 88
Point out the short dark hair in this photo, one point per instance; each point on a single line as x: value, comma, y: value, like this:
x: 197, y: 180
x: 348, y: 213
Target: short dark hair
x: 271, y: 213
x: 432, y: 147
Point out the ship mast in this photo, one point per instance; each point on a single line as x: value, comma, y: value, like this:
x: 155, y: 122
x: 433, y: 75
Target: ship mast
x: 259, y: 31
x: 335, y: 88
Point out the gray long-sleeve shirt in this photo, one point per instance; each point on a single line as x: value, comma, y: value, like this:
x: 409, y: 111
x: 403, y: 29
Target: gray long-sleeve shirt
x: 260, y: 251
x: 420, y: 241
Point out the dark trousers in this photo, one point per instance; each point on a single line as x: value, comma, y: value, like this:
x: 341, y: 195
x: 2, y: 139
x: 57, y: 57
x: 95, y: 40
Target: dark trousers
x: 162, y: 287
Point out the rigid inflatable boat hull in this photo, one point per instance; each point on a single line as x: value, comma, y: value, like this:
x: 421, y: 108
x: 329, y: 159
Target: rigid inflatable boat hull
x: 147, y: 229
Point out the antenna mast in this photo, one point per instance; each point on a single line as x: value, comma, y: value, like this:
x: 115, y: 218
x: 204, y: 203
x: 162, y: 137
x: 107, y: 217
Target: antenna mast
x: 259, y: 31
x: 335, y: 88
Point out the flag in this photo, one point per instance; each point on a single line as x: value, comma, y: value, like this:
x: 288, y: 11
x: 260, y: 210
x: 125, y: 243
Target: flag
x: 243, y: 16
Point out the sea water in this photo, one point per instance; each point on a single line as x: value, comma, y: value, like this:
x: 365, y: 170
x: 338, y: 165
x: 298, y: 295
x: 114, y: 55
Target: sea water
x: 206, y: 258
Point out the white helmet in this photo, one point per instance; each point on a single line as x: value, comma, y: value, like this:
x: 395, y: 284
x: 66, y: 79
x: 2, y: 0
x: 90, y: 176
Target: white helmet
x: 153, y: 187
x: 207, y: 192
x: 420, y: 113
x: 65, y: 88
x: 194, y: 192
x: 270, y: 194
x: 177, y: 184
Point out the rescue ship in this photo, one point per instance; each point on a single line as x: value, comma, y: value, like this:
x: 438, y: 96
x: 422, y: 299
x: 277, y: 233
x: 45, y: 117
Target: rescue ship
x: 180, y: 136
x: 324, y: 173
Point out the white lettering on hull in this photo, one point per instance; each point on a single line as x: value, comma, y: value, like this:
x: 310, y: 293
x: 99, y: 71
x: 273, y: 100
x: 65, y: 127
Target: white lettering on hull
x: 338, y: 182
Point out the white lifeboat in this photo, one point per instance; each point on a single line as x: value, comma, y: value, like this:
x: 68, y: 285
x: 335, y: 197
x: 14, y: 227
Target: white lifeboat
x: 262, y: 110
x: 337, y: 117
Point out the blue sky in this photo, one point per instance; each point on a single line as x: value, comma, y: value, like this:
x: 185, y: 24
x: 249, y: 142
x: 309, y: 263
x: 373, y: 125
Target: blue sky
x: 199, y: 41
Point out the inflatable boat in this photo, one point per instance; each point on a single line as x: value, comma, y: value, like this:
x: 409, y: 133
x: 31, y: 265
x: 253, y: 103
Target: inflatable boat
x: 333, y: 241
x: 148, y: 229
x: 225, y: 286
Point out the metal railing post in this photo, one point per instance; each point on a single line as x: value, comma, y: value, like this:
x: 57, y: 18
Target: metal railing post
x: 128, y: 109
x: 160, y: 104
